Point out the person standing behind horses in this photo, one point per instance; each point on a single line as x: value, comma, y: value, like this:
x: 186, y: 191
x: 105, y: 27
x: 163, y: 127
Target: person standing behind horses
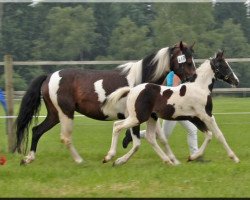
x: 173, y: 80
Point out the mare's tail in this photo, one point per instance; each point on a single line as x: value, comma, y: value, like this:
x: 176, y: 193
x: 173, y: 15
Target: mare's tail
x: 29, y: 107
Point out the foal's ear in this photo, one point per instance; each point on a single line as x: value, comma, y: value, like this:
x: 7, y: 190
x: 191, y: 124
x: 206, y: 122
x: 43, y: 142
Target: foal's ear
x: 220, y: 54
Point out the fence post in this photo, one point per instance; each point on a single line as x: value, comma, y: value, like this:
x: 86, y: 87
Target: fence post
x: 8, y: 70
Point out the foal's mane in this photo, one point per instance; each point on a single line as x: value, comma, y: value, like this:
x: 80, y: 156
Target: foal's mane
x: 152, y: 67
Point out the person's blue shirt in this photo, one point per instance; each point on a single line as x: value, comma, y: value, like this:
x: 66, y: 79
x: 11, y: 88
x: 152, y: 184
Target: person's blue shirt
x: 170, y: 79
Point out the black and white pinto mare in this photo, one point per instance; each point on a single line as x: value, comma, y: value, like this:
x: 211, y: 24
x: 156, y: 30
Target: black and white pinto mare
x: 85, y: 91
x: 189, y: 101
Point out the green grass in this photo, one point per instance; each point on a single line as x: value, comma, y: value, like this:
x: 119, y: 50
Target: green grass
x: 54, y: 173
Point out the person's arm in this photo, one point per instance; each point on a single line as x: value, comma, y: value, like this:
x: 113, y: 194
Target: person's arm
x: 176, y: 80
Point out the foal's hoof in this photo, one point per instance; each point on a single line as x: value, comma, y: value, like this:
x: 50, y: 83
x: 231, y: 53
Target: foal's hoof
x: 236, y: 160
x: 23, y: 162
x: 189, y: 159
x: 119, y: 161
x: 105, y: 160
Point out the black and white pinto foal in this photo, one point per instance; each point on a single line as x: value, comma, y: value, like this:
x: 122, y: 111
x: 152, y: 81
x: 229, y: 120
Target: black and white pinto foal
x: 189, y: 101
x: 85, y: 91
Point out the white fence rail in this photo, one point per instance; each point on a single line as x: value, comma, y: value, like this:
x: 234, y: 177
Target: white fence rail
x: 244, y: 91
x: 109, y: 62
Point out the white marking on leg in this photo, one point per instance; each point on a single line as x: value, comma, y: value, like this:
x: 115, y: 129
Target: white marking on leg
x: 99, y: 90
x: 66, y: 132
x: 30, y: 157
x: 66, y: 123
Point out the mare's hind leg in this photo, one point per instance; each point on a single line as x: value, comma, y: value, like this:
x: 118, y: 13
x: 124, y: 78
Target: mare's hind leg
x: 151, y: 138
x: 50, y: 121
x: 66, y: 136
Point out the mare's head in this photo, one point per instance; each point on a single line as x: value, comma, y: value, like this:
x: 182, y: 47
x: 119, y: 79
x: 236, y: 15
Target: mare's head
x: 222, y: 69
x: 181, y: 60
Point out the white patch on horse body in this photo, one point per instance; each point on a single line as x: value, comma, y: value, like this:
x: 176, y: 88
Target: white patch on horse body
x: 53, y: 89
x: 133, y: 71
x: 30, y: 157
x: 99, y: 90
x: 162, y: 57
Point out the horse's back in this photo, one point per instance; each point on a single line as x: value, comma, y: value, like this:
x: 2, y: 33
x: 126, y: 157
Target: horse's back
x: 81, y: 90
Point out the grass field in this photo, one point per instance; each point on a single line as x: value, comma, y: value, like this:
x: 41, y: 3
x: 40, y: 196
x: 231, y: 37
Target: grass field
x: 54, y: 173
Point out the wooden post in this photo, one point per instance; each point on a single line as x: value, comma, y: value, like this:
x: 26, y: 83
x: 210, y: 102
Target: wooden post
x: 8, y: 70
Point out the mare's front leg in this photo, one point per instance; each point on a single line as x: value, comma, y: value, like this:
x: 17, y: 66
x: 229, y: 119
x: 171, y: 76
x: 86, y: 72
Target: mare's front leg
x: 66, y: 136
x: 151, y: 138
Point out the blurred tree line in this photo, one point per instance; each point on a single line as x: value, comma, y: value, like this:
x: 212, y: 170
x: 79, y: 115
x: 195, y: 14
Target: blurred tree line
x: 119, y: 31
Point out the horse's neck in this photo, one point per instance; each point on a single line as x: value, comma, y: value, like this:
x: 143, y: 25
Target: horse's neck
x: 205, y: 76
x: 156, y: 66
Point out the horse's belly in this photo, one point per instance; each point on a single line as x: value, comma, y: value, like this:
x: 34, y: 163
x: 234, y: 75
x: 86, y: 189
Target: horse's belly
x: 92, y: 111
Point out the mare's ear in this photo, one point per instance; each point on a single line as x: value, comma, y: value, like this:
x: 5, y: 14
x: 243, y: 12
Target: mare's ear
x: 181, y: 46
x: 192, y: 47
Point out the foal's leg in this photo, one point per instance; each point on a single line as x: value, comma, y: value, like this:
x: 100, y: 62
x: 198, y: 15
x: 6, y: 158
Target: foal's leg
x: 212, y: 125
x: 201, y: 150
x: 66, y: 136
x: 37, y: 132
x: 117, y: 127
x: 136, y: 144
x: 164, y: 141
x: 151, y: 138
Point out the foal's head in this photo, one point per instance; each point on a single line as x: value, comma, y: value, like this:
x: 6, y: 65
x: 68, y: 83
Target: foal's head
x: 181, y: 60
x: 222, y: 69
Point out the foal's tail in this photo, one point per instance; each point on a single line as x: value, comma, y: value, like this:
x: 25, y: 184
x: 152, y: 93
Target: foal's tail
x: 29, y: 107
x: 115, y: 96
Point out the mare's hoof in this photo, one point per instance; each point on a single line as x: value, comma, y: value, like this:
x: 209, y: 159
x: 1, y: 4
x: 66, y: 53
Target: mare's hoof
x: 199, y: 159
x: 127, y: 139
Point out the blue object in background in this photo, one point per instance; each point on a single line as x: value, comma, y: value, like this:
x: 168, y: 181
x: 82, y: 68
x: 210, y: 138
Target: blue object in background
x: 2, y: 100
